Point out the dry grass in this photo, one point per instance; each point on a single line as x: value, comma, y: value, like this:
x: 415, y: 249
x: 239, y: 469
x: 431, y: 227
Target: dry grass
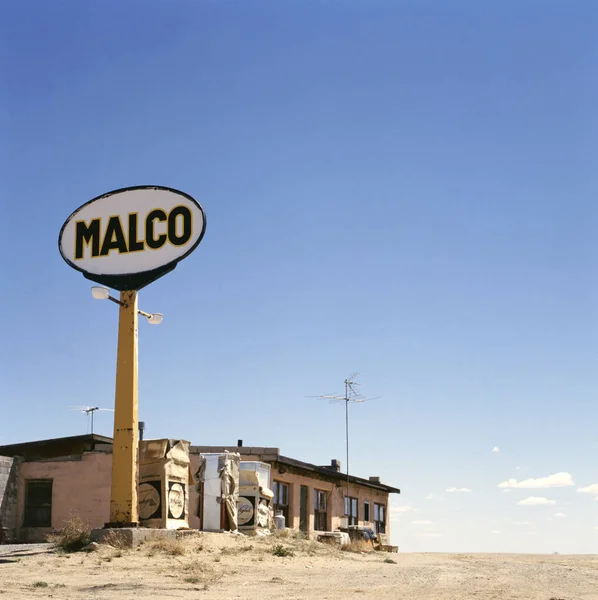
x: 288, y: 534
x: 113, y: 539
x: 165, y: 546
x: 199, y: 572
x: 74, y: 536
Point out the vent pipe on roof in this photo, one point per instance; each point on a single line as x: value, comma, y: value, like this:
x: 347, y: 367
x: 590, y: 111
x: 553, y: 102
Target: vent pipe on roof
x: 141, y: 430
x: 374, y: 479
x: 239, y: 443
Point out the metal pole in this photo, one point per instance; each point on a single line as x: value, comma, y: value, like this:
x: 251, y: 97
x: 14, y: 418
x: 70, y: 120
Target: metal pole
x: 347, y: 439
x: 92, y: 411
x: 123, y: 495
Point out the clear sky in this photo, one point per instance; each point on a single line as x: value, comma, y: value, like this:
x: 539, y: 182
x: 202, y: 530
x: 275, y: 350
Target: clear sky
x: 406, y: 189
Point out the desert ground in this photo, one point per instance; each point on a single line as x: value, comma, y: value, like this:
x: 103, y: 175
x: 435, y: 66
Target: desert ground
x: 226, y: 566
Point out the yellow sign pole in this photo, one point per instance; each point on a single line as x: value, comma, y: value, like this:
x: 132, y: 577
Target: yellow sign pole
x: 123, y: 496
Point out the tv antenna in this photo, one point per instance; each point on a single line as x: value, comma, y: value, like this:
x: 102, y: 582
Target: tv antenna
x: 352, y: 396
x: 89, y: 410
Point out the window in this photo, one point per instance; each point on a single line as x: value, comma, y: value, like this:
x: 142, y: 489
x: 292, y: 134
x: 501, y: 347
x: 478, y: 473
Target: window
x: 379, y: 518
x: 281, y: 500
x: 366, y: 511
x: 320, y: 514
x: 351, y: 510
x: 38, y: 503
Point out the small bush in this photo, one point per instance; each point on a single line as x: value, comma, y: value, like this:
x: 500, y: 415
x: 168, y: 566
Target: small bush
x: 192, y: 579
x: 390, y: 561
x: 74, y: 536
x: 40, y: 584
x: 280, y: 550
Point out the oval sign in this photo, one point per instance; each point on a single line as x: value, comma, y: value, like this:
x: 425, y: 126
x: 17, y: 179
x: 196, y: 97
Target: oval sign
x: 128, y: 238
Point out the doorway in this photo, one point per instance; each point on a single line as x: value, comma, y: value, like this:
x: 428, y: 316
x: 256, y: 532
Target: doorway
x: 303, y: 509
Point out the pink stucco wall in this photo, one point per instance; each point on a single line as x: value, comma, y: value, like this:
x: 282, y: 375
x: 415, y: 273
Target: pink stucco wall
x: 335, y: 493
x: 81, y: 486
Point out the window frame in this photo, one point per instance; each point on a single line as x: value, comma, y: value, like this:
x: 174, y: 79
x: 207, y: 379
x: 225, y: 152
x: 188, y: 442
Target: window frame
x: 351, y: 502
x: 285, y: 508
x: 320, y: 514
x: 366, y: 511
x: 379, y: 523
x: 31, y: 511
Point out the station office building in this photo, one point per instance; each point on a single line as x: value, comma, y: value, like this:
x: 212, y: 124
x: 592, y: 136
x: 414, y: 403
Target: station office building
x: 43, y: 482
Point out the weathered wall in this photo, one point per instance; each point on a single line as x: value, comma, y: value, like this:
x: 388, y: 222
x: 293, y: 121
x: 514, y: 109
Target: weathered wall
x: 80, y: 485
x: 8, y: 498
x: 335, y: 498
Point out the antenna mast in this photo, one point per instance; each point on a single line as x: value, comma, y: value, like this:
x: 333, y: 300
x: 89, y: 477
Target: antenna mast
x: 89, y: 410
x: 351, y: 396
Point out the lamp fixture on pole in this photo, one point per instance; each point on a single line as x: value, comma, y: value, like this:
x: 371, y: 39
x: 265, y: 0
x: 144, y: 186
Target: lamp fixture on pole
x: 102, y: 293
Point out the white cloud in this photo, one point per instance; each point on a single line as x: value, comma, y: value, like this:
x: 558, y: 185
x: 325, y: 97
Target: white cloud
x: 454, y: 490
x: 496, y: 449
x: 560, y: 515
x: 397, y: 511
x: 590, y: 489
x: 429, y: 534
x: 421, y: 522
x: 496, y: 531
x: 507, y: 490
x: 522, y: 523
x: 536, y: 501
x: 554, y: 480
x: 429, y: 497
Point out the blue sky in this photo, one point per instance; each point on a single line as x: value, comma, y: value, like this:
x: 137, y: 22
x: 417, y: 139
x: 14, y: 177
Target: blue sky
x: 402, y: 189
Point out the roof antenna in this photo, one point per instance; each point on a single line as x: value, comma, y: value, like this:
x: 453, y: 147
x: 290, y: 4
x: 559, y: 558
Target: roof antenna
x: 89, y: 410
x: 351, y: 397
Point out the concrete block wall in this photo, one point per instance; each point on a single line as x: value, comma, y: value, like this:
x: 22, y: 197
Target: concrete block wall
x: 8, y: 498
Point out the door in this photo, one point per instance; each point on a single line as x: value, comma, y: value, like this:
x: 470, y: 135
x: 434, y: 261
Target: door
x: 303, y: 509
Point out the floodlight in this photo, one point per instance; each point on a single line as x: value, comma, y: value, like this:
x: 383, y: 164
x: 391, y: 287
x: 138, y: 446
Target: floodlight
x: 100, y: 293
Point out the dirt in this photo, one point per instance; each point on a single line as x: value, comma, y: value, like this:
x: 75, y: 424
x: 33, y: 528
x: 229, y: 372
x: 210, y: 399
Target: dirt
x: 223, y: 566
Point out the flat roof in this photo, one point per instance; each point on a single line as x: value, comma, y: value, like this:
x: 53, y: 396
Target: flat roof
x: 266, y: 454
x: 14, y: 449
x: 329, y: 472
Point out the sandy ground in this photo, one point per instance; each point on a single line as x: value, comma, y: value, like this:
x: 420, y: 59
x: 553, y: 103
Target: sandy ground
x: 224, y: 566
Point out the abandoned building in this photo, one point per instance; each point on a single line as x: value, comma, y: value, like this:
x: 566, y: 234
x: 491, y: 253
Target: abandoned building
x: 43, y: 482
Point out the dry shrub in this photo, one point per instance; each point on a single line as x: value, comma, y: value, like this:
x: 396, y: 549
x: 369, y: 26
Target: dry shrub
x: 313, y: 547
x: 112, y: 538
x: 74, y: 536
x: 165, y: 546
x: 201, y: 572
x: 288, y: 534
x: 232, y: 551
x: 357, y: 546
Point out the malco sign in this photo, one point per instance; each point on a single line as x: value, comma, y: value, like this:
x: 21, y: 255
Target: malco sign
x: 128, y: 238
